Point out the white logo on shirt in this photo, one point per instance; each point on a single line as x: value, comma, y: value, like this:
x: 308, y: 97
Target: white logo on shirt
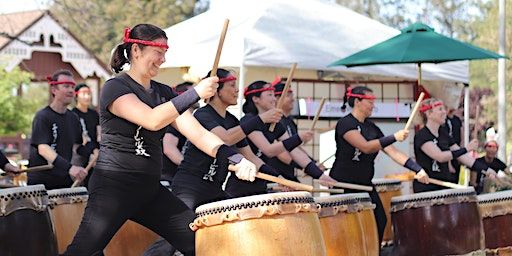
x: 212, y: 171
x: 357, y: 152
x: 55, y: 128
x: 139, y: 143
x: 85, y: 134
x: 435, y: 165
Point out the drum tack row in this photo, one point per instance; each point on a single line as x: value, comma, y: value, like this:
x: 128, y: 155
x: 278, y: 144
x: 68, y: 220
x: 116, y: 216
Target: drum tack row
x: 446, y: 222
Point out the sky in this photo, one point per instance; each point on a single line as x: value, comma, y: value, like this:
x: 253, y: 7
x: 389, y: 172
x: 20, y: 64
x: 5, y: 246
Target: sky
x: 8, y: 6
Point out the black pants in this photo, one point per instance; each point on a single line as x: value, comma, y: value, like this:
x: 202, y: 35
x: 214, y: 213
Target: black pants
x: 194, y: 191
x: 380, y: 214
x: 115, y: 197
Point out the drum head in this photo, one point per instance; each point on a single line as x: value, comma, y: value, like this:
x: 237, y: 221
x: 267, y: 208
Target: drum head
x: 440, y: 197
x: 67, y: 195
x: 30, y: 197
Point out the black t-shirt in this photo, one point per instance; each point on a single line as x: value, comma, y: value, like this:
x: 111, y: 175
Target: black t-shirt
x: 125, y: 146
x: 287, y: 170
x: 433, y: 168
x: 169, y: 168
x: 236, y: 187
x: 453, y: 126
x: 89, y: 121
x: 3, y: 160
x: 352, y: 165
x: 60, y: 132
x: 496, y: 165
x: 200, y: 164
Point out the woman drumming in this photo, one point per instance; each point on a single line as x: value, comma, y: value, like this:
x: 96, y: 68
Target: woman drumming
x: 200, y: 177
x: 358, y: 141
x: 434, y: 148
x: 134, y: 112
x: 259, y: 97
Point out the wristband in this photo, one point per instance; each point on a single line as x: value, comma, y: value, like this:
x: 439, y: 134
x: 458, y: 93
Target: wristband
x: 313, y: 170
x: 386, y: 141
x: 268, y: 170
x: 412, y: 165
x: 226, y: 152
x: 251, y: 125
x: 459, y: 152
x: 185, y: 100
x: 61, y: 164
x: 292, y: 142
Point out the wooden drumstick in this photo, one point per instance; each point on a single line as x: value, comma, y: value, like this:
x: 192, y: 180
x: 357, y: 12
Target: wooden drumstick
x: 317, y: 114
x: 285, y: 91
x: 414, y: 111
x: 219, y: 50
x: 32, y: 169
x: 91, y: 164
x: 319, y: 190
x: 329, y: 190
x: 445, y: 183
x: 284, y: 182
x: 351, y: 186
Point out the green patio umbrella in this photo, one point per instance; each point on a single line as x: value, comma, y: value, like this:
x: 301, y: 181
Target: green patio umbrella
x: 417, y: 43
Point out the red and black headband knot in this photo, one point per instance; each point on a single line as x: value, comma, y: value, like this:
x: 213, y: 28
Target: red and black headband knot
x: 277, y: 81
x: 426, y: 107
x: 51, y: 82
x: 127, y: 39
x: 358, y: 96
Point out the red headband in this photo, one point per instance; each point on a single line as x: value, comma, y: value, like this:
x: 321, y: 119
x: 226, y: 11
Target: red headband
x: 51, y: 82
x: 227, y: 79
x: 127, y: 39
x: 276, y: 81
x: 425, y: 107
x: 258, y: 90
x: 359, y: 96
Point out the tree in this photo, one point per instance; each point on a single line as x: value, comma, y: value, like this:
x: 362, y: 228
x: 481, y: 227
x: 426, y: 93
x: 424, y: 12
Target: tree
x: 16, y: 113
x: 99, y: 24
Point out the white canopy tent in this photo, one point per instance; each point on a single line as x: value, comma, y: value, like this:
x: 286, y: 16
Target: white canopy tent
x: 277, y: 33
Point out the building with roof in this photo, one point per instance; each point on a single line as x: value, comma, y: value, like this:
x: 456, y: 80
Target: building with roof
x: 36, y: 42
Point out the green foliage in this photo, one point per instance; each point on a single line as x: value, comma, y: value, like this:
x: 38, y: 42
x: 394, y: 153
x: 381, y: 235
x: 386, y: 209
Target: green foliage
x: 99, y: 24
x: 15, y: 113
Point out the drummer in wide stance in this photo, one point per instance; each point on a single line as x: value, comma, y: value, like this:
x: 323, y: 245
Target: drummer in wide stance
x: 434, y: 148
x: 134, y: 112
x: 358, y: 141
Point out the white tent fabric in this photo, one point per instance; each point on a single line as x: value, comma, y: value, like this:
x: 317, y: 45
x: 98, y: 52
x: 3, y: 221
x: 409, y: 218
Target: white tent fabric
x: 280, y: 32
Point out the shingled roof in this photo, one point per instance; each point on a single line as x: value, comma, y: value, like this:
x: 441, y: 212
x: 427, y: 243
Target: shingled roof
x: 13, y: 24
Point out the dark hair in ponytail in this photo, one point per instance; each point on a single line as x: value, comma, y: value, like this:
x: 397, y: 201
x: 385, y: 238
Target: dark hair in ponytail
x: 221, y: 73
x: 356, y: 90
x: 146, y: 32
x: 249, y: 106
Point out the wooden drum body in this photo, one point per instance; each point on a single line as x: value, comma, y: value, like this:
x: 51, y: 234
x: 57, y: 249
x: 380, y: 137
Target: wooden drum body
x: 387, y: 189
x: 496, y: 213
x: 444, y: 222
x: 368, y: 222
x: 25, y: 225
x: 274, y: 224
x: 341, y: 225
x: 67, y: 207
x: 132, y: 239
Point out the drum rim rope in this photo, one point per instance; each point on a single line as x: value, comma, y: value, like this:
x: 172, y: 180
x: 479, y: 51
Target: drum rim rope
x: 332, y: 205
x: 36, y: 198
x: 67, y: 196
x: 242, y: 208
x: 440, y: 197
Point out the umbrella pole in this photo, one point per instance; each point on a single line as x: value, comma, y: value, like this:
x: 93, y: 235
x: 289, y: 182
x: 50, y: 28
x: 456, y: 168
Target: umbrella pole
x: 419, y: 74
